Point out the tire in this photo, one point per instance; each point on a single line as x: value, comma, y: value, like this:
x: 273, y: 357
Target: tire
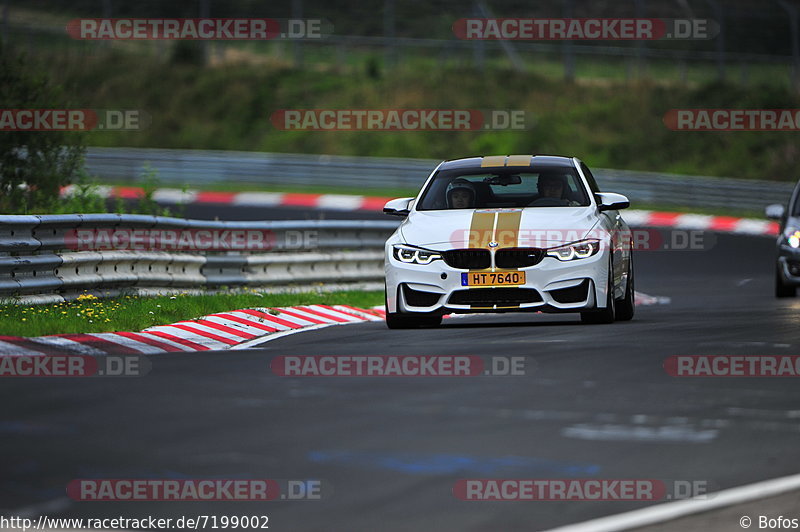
x: 603, y: 315
x: 626, y: 307
x: 399, y: 320
x: 781, y: 288
x: 395, y: 320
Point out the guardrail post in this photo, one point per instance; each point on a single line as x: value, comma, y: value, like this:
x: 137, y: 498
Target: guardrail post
x: 297, y: 46
x: 478, y: 45
x: 719, y: 15
x: 640, y: 8
x: 566, y: 47
x: 792, y: 11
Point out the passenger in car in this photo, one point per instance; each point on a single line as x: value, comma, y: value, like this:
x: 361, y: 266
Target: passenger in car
x: 553, y: 190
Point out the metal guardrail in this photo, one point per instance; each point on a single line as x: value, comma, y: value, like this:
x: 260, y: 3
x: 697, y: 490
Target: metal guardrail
x: 58, y: 257
x: 197, y: 167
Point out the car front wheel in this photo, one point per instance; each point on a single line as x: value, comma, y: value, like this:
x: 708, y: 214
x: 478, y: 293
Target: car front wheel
x: 627, y: 305
x: 782, y: 289
x: 603, y: 315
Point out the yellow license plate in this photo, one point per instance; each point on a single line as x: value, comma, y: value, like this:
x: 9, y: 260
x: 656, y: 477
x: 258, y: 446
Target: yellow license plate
x: 492, y: 278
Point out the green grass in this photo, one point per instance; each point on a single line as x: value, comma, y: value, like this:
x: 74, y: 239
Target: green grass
x: 608, y: 122
x: 133, y: 313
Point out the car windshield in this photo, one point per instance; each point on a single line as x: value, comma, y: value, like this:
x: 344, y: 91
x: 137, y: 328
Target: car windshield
x: 484, y: 188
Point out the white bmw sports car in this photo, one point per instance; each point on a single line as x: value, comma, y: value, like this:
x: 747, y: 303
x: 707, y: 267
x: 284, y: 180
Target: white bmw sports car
x: 509, y: 234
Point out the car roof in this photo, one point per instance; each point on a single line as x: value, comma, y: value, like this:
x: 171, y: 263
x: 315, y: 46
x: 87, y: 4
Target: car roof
x: 508, y: 161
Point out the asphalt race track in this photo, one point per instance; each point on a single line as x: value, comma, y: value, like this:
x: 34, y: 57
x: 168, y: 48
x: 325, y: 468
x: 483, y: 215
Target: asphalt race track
x: 595, y: 402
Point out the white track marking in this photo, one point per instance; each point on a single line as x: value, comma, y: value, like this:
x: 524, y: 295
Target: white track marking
x: 201, y: 328
x: 274, y: 336
x: 661, y: 513
x: 248, y: 329
x: 339, y: 202
x: 611, y: 432
x: 302, y: 317
x: 67, y: 344
x: 192, y: 336
x: 636, y: 218
x: 124, y: 341
x: 163, y: 340
x: 693, y: 221
x: 259, y: 199
x: 750, y: 226
x: 174, y: 196
x: 332, y: 312
x: 11, y: 349
x: 365, y: 315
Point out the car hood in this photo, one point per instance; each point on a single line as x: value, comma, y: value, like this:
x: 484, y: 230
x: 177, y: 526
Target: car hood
x: 528, y: 227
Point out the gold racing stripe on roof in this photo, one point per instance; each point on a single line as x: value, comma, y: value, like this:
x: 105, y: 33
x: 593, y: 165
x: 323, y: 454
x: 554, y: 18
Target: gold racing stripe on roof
x: 494, y: 160
x: 519, y: 160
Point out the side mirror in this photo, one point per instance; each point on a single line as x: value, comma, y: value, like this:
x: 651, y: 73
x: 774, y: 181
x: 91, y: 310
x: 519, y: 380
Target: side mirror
x: 775, y: 211
x: 398, y: 207
x: 608, y: 201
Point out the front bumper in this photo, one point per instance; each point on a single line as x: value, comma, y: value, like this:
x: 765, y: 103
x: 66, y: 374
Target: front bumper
x: 550, y: 286
x: 789, y: 264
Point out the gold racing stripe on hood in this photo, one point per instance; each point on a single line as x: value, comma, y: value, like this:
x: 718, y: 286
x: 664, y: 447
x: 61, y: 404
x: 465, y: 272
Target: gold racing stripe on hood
x: 481, y: 229
x: 496, y: 226
x: 481, y: 232
x: 506, y: 233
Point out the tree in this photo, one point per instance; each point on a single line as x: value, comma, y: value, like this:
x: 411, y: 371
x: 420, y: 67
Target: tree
x: 34, y: 165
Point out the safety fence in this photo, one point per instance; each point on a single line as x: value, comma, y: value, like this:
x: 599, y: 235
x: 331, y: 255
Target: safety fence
x: 58, y: 257
x: 198, y: 167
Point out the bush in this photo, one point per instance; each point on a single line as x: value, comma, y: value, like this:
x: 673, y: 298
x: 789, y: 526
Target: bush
x: 34, y: 165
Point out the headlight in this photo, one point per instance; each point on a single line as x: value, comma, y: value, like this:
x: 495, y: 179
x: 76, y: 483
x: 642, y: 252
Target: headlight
x: 577, y: 250
x: 414, y: 255
x: 792, y: 237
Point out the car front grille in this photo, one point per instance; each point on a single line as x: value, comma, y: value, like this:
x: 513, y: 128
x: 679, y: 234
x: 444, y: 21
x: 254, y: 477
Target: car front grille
x: 518, y: 257
x: 495, y: 296
x: 468, y: 259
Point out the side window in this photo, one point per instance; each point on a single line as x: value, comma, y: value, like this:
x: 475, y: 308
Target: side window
x: 795, y: 207
x: 590, y: 179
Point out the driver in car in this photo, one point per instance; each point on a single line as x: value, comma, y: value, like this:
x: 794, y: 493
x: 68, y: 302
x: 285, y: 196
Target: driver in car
x: 460, y: 194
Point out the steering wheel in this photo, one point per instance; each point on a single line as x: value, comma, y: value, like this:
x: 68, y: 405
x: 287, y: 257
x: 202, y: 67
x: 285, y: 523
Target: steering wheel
x: 549, y: 202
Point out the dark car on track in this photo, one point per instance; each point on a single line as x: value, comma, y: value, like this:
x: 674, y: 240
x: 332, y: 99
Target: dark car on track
x: 787, y: 264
